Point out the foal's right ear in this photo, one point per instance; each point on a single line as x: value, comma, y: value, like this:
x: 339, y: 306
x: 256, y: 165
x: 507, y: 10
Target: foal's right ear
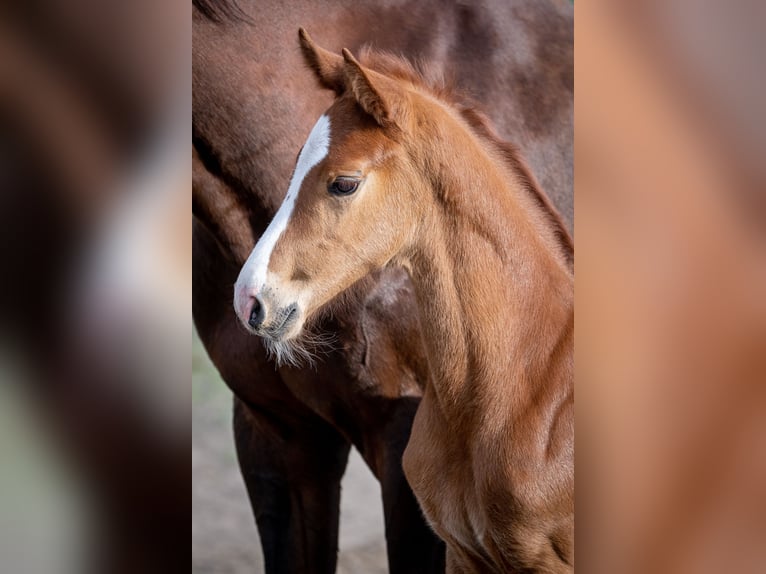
x: 327, y: 67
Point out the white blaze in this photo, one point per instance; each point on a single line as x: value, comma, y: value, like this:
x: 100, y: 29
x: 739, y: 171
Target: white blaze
x: 253, y: 275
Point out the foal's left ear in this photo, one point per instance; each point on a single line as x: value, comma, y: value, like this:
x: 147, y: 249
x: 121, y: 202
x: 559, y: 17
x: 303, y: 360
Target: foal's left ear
x: 378, y: 95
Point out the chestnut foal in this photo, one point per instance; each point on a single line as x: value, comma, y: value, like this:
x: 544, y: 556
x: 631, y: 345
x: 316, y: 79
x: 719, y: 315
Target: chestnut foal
x: 399, y: 172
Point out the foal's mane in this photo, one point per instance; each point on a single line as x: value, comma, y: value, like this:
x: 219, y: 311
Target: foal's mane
x: 427, y: 78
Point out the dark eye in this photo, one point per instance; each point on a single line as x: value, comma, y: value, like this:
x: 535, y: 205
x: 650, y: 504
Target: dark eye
x: 343, y: 186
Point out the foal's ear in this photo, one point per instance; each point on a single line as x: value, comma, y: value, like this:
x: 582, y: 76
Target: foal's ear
x: 327, y: 67
x: 378, y: 95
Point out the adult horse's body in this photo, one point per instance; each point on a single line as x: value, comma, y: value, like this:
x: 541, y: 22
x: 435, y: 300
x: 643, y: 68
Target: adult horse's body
x: 293, y: 427
x: 398, y: 172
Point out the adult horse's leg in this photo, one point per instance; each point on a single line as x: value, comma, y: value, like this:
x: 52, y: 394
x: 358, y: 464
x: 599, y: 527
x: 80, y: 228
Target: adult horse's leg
x: 292, y: 468
x: 412, y: 546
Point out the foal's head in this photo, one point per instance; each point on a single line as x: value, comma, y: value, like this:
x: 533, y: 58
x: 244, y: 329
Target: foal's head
x: 351, y: 206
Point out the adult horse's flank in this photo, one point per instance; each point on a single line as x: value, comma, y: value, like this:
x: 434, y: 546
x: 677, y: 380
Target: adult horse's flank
x: 399, y: 172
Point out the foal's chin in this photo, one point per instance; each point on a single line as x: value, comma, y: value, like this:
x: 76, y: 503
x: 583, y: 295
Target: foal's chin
x: 290, y: 331
x: 296, y: 346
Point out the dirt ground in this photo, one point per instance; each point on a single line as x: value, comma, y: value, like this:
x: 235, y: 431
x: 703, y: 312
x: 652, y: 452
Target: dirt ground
x: 224, y: 536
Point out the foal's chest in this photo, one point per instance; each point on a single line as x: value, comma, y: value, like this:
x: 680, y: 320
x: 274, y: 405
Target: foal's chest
x: 441, y: 474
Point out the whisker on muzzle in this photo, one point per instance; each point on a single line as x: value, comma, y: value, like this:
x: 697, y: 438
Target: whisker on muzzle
x: 304, y: 350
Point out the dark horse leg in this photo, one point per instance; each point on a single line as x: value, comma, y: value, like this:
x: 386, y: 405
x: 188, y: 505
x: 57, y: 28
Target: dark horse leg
x: 412, y: 546
x: 292, y: 467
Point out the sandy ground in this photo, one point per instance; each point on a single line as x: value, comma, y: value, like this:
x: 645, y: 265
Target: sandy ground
x: 224, y: 536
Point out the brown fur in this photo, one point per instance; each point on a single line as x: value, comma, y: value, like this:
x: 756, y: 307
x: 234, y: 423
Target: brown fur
x: 385, y: 65
x: 491, y: 453
x: 251, y: 111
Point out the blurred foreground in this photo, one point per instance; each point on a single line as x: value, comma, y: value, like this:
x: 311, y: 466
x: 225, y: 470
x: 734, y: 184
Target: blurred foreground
x: 95, y: 286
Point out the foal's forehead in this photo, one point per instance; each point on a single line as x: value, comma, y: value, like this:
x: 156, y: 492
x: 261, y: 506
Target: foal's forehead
x: 355, y: 134
x: 344, y: 137
x: 314, y: 151
x: 349, y: 121
x: 317, y: 144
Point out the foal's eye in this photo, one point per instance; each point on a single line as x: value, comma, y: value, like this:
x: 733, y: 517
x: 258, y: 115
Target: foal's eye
x: 343, y: 186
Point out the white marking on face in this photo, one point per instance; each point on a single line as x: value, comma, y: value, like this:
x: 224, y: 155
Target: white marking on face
x: 252, y: 277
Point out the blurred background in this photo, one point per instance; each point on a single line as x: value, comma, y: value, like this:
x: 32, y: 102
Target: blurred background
x: 95, y: 329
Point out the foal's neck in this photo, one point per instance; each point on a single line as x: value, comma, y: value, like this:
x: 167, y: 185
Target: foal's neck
x: 495, y: 291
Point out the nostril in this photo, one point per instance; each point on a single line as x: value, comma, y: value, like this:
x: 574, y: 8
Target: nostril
x: 256, y: 314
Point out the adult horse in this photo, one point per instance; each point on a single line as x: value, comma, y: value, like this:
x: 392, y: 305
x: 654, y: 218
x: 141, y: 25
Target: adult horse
x: 294, y: 426
x: 398, y: 172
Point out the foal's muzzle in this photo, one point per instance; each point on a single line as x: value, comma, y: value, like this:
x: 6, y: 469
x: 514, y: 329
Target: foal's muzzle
x: 270, y: 321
